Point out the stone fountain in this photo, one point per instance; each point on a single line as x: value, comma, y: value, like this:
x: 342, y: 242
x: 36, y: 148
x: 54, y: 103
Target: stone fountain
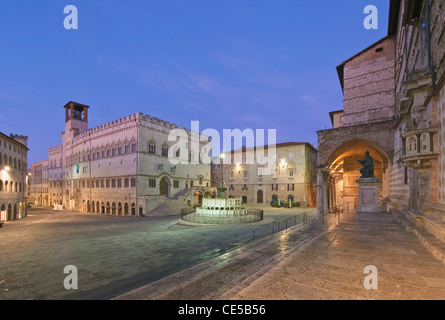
x: 223, y: 211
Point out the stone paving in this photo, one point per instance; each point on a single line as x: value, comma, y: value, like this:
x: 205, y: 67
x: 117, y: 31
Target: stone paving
x: 324, y: 263
x: 113, y: 254
x: 155, y: 258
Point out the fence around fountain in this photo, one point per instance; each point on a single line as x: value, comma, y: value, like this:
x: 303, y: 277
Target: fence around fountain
x: 249, y: 216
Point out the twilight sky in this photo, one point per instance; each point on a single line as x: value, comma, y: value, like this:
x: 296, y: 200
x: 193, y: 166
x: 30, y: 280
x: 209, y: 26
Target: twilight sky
x: 259, y: 64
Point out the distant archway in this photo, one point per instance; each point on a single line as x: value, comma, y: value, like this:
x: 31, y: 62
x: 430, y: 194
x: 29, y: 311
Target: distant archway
x: 343, y: 170
x: 259, y: 196
x: 164, y: 184
x: 198, y: 198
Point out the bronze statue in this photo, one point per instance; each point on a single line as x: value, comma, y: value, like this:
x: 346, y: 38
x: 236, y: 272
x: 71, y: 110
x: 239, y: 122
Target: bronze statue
x: 368, y: 166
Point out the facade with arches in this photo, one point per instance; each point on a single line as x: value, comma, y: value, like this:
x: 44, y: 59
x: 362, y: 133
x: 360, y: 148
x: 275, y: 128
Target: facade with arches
x: 122, y: 167
x: 14, y: 177
x: 394, y: 107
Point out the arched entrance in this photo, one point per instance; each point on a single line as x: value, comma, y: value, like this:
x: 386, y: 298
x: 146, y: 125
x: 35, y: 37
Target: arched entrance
x: 119, y: 208
x: 164, y: 187
x: 338, y: 189
x: 198, y: 199
x: 9, y: 213
x: 2, y: 213
x: 67, y: 198
x: 20, y: 210
x: 259, y: 196
x: 15, y: 212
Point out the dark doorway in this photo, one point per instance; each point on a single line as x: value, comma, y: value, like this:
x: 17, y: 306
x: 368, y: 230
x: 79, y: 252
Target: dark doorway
x: 163, y: 186
x: 259, y: 196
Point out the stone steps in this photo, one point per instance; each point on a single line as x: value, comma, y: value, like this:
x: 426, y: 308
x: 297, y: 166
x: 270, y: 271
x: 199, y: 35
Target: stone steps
x: 167, y: 208
x: 414, y: 222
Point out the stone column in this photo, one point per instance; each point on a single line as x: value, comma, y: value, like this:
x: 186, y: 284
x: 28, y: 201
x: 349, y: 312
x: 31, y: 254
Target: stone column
x: 85, y: 114
x: 71, y: 111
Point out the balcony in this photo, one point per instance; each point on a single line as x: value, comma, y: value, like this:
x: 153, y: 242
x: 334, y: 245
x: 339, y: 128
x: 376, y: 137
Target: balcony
x: 418, y: 148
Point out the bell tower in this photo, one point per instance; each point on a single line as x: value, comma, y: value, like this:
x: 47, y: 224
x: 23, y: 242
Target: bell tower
x: 76, y: 120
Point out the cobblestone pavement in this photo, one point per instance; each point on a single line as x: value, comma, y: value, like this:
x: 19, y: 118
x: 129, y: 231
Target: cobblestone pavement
x: 316, y: 263
x: 113, y: 254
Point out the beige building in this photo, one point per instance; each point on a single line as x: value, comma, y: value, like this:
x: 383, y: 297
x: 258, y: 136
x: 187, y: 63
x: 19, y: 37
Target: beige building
x: 13, y: 177
x: 292, y: 177
x: 38, y: 187
x: 124, y: 167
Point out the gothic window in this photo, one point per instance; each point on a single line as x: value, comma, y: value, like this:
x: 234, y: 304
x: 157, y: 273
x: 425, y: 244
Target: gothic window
x: 165, y: 150
x: 151, y: 147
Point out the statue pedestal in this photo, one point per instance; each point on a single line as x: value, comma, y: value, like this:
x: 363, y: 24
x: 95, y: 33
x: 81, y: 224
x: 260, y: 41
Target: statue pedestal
x: 368, y: 195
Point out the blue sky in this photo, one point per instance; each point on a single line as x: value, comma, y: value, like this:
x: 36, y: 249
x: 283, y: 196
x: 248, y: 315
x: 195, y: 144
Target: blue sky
x: 229, y: 64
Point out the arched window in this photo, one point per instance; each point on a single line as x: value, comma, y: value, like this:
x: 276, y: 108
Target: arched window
x: 200, y: 180
x: 165, y: 150
x: 1, y: 158
x: 1, y: 185
x: 152, y: 147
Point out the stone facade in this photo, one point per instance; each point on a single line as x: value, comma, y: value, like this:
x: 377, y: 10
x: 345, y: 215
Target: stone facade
x: 13, y: 177
x: 393, y: 107
x: 122, y: 167
x: 38, y: 187
x: 418, y: 166
x: 293, y: 175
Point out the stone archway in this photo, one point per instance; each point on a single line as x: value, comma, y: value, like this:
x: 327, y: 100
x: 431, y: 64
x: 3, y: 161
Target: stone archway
x: 259, y: 196
x: 14, y: 216
x: 164, y: 186
x: 198, y: 198
x: 337, y: 185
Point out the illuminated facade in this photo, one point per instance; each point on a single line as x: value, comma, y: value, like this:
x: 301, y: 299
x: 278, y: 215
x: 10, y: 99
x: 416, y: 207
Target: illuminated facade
x: 13, y: 177
x: 121, y: 167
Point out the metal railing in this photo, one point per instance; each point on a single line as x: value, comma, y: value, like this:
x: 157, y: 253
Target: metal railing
x: 279, y: 226
x: 252, y: 215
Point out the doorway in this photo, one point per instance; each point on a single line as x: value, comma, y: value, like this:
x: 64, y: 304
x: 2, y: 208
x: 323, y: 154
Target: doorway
x: 259, y: 196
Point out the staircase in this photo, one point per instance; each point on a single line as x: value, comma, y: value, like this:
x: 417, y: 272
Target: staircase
x: 169, y: 207
x: 430, y: 230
